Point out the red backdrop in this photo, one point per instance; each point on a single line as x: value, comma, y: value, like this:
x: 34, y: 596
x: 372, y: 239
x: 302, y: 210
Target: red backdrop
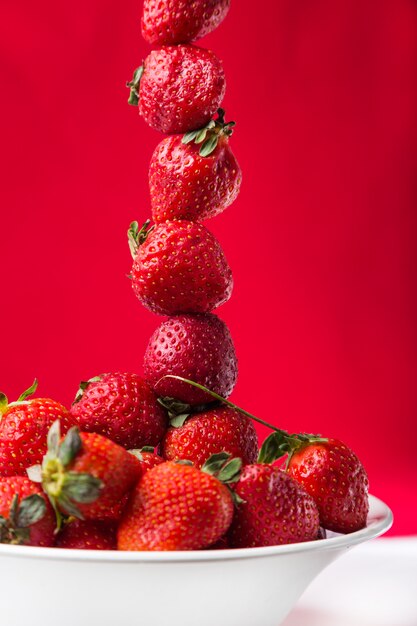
x: 322, y: 239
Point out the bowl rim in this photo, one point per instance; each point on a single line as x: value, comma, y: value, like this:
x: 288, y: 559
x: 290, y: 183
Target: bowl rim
x: 380, y: 520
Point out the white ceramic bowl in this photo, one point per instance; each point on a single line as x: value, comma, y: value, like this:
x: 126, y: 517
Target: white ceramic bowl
x: 244, y: 587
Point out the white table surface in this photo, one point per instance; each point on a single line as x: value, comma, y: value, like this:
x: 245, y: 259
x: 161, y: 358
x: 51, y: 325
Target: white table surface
x: 374, y: 584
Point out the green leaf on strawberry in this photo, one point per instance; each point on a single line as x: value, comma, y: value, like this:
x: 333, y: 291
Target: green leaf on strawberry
x: 22, y: 515
x: 137, y: 236
x: 134, y: 86
x: 5, y: 404
x: 226, y: 469
x: 66, y: 488
x: 29, y: 392
x: 209, y: 135
x: 83, y: 386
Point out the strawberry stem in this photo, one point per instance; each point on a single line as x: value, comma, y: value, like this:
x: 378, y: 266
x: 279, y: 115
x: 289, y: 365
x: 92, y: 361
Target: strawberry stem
x: 278, y: 444
x: 216, y: 396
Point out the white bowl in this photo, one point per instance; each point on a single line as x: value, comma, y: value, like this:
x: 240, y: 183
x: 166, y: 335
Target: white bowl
x: 243, y: 587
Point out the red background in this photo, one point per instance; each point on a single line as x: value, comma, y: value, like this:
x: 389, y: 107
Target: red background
x: 322, y: 239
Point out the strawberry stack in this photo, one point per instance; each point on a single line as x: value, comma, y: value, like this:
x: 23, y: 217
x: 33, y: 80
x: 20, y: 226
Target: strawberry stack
x: 114, y: 472
x: 179, y: 268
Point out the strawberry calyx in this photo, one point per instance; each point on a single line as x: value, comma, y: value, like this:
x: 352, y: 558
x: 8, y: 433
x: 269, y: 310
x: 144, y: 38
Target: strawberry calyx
x: 65, y: 488
x: 137, y: 236
x: 22, y: 399
x: 83, y: 386
x: 223, y: 467
x: 226, y: 469
x: 282, y: 443
x: 210, y: 134
x: 15, y: 529
x: 179, y: 412
x: 137, y: 452
x: 134, y: 85
x: 278, y: 444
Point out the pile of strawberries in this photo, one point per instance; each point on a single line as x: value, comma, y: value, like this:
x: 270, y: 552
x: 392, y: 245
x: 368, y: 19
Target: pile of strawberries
x: 166, y: 461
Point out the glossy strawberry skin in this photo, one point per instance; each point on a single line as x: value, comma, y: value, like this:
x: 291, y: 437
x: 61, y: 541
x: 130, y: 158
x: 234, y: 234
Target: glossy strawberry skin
x: 276, y: 509
x: 333, y: 475
x: 187, y: 186
x: 122, y: 407
x: 221, y: 544
x: 181, y: 88
x: 42, y: 533
x: 150, y: 460
x: 197, y: 347
x: 23, y: 433
x: 115, y: 467
x: 175, y: 507
x: 87, y: 535
x: 217, y: 430
x: 181, y: 21
x: 181, y: 268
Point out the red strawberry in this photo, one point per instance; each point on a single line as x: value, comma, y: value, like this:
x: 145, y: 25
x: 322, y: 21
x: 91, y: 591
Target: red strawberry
x: 179, y: 267
x: 177, y: 507
x: 217, y: 430
x: 90, y: 535
x: 26, y: 517
x: 192, y: 346
x: 181, y: 21
x: 86, y: 475
x: 275, y: 509
x: 147, y: 458
x: 221, y: 544
x: 178, y: 88
x: 194, y: 181
x: 24, y: 426
x: 336, y: 479
x: 121, y: 407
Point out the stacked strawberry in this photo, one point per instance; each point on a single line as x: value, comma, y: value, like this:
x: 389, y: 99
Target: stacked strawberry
x: 166, y: 461
x: 179, y: 268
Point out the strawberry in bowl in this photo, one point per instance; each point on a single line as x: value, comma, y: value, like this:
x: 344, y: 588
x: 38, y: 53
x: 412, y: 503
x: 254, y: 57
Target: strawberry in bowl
x: 24, y: 425
x: 121, y: 406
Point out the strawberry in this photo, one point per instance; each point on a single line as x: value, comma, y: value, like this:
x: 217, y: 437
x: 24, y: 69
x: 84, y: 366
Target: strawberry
x: 326, y: 468
x: 147, y: 458
x: 334, y: 476
x: 274, y: 510
x: 192, y: 346
x: 221, y: 544
x: 178, y: 267
x: 195, y: 176
x: 178, y: 507
x: 24, y: 426
x: 122, y: 407
x: 211, y: 432
x: 26, y: 517
x: 86, y: 475
x: 178, y: 88
x: 181, y: 21
x: 89, y: 535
